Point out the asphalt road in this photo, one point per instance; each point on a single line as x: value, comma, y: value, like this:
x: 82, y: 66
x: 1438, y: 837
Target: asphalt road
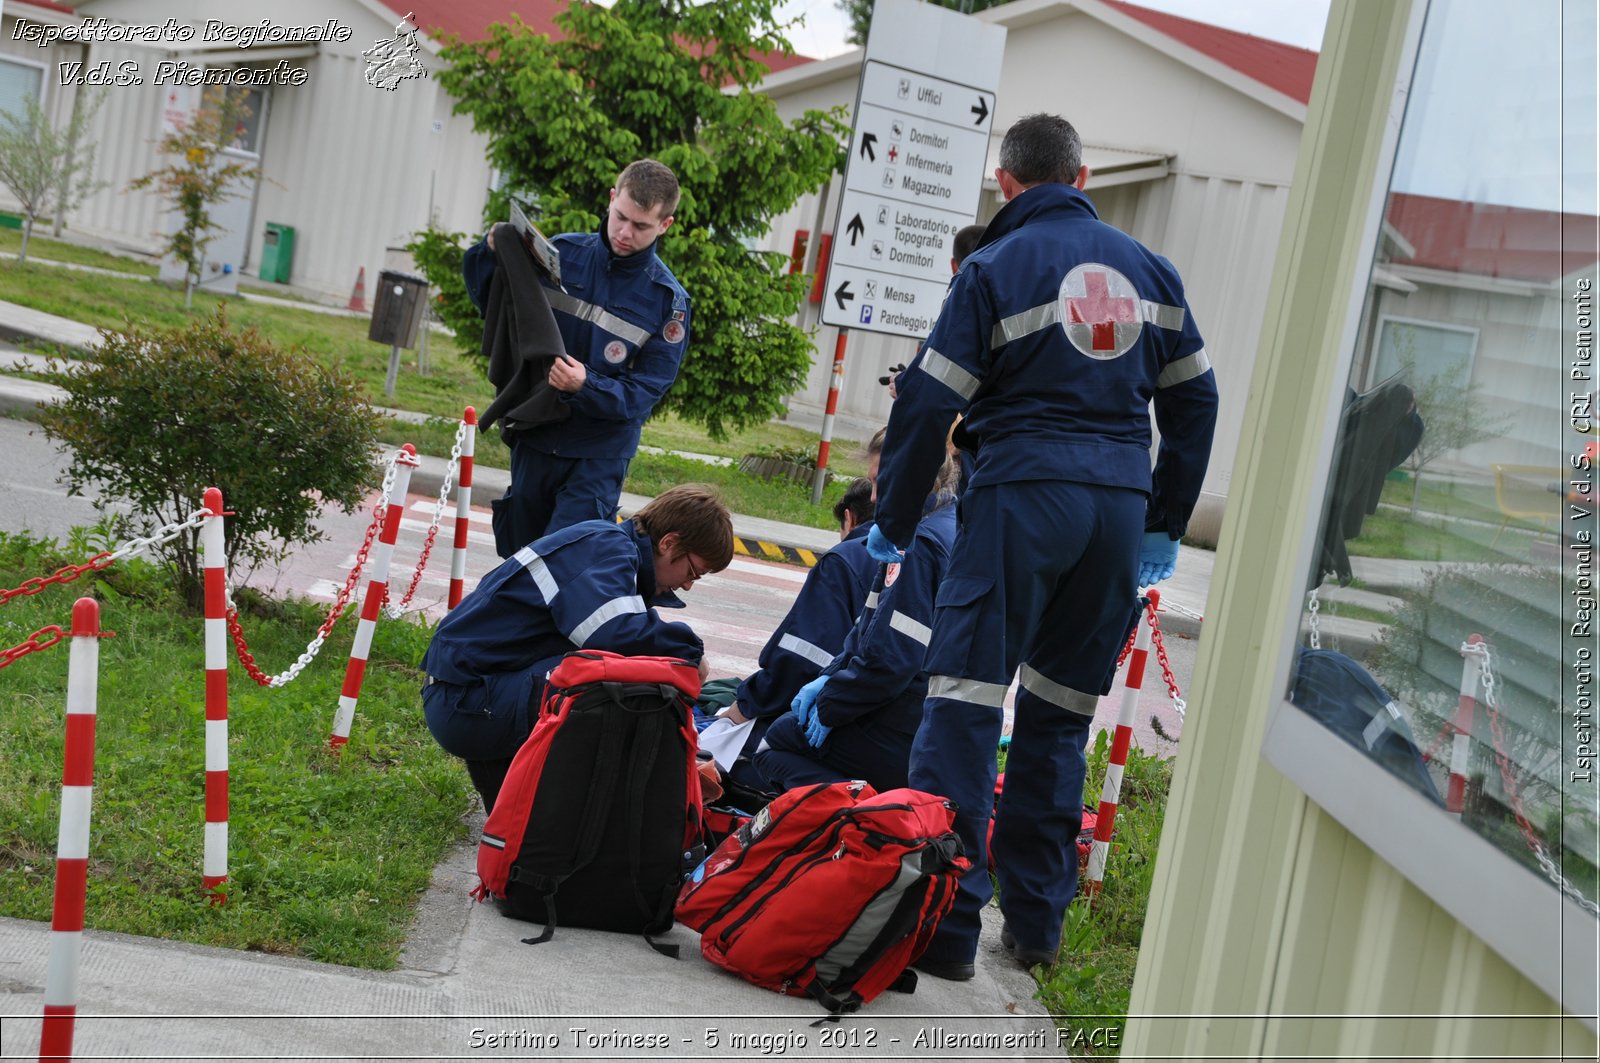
x: 734, y: 611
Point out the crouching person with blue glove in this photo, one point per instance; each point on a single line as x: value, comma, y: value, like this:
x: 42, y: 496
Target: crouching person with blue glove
x: 857, y: 719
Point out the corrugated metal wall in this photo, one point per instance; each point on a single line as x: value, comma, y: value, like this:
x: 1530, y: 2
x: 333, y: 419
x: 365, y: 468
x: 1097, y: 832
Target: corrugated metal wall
x: 348, y: 165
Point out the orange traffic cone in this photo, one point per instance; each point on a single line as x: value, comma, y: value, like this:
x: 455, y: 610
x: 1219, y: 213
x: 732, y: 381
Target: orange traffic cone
x: 358, y: 297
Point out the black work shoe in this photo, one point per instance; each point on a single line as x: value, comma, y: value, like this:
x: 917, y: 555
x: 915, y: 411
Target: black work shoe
x: 949, y: 971
x: 1029, y: 958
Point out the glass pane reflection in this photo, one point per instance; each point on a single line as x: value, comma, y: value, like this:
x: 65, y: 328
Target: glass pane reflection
x: 1446, y: 629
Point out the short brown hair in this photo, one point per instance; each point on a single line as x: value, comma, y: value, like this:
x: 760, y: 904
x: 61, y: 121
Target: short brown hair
x: 697, y: 514
x: 651, y: 184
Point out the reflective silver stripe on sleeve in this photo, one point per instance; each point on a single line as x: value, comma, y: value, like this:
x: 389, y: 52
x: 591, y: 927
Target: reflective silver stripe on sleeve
x: 1380, y: 723
x: 949, y: 373
x: 872, y: 600
x: 614, y: 608
x: 492, y: 842
x: 1063, y: 696
x: 811, y: 652
x: 1029, y: 321
x: 540, y: 573
x: 598, y: 315
x: 910, y: 628
x: 1184, y: 369
x: 1167, y: 317
x: 972, y: 691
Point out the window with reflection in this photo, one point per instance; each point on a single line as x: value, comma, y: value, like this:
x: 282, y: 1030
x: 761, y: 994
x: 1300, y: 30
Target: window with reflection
x: 1447, y: 628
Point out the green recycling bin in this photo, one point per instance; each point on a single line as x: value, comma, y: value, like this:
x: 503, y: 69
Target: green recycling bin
x: 277, y: 253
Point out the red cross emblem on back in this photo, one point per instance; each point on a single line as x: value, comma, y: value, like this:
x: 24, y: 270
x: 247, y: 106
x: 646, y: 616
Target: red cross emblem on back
x: 1100, y: 310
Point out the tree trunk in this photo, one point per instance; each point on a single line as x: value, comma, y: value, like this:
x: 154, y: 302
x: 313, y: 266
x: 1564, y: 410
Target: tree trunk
x: 1416, y: 491
x: 188, y: 291
x: 27, y: 231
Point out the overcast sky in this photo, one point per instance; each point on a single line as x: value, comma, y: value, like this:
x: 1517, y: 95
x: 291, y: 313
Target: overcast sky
x: 1298, y: 22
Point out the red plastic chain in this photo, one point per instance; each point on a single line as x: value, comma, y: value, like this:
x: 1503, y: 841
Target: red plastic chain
x: 1438, y: 742
x: 245, y: 657
x: 1161, y: 655
x: 65, y: 574
x: 1513, y: 791
x: 1122, y: 658
x: 416, y: 577
x: 32, y: 644
x: 337, y: 609
x: 242, y: 649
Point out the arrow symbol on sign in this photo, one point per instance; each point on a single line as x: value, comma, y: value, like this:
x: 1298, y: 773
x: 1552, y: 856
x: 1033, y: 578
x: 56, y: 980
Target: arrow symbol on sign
x: 981, y: 110
x: 842, y: 293
x: 867, y: 140
x: 856, y: 228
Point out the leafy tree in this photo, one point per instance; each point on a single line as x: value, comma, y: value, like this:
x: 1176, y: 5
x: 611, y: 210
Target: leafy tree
x: 670, y: 80
x: 1454, y: 416
x: 160, y: 415
x: 196, y: 179
x: 39, y: 162
x: 438, y: 256
x: 860, y: 13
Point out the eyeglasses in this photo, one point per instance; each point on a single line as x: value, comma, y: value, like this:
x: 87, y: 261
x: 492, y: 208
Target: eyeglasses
x: 694, y: 574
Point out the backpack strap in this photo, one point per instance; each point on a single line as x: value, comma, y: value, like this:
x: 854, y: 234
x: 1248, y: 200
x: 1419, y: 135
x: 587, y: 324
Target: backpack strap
x: 647, y: 739
x: 592, y: 826
x: 836, y: 1005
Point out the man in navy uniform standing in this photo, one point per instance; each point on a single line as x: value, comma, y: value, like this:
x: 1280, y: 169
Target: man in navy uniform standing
x: 1056, y: 336
x: 624, y: 320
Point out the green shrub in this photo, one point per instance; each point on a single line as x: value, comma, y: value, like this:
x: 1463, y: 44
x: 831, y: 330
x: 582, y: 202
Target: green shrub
x: 162, y: 414
x: 438, y: 255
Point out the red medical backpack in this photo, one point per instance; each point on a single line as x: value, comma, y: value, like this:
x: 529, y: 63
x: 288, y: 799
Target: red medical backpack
x: 830, y: 892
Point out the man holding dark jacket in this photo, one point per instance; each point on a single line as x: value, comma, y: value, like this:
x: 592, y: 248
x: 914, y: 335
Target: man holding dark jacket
x: 622, y: 320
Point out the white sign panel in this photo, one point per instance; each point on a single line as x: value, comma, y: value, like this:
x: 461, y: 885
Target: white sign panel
x: 915, y: 172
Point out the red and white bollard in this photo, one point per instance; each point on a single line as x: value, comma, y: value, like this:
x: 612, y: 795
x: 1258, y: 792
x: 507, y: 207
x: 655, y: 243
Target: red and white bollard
x: 377, y: 586
x: 458, y: 557
x: 72, y: 835
x: 1111, y: 791
x: 214, y: 871
x: 835, y: 383
x: 1466, y: 709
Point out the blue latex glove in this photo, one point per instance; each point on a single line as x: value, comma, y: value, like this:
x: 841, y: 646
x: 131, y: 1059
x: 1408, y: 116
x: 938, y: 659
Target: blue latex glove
x: 880, y: 549
x: 804, y: 705
x: 817, y: 732
x: 1158, y: 558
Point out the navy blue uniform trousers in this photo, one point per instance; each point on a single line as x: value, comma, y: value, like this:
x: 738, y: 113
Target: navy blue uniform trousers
x: 1043, y: 577
x: 485, y: 723
x: 548, y: 493
x: 864, y: 748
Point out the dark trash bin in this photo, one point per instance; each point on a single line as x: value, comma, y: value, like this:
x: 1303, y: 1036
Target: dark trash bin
x: 402, y: 298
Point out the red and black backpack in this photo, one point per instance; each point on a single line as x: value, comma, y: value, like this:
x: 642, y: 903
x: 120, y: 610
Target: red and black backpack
x: 601, y: 806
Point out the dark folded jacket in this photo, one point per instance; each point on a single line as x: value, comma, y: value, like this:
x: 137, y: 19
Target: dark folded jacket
x: 520, y: 340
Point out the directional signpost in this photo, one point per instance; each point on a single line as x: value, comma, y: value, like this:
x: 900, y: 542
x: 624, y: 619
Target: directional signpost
x: 913, y: 177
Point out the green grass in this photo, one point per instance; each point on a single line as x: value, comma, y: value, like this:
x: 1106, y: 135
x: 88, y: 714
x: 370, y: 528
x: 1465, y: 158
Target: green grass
x: 454, y: 382
x: 1387, y: 533
x: 60, y: 251
x: 1093, y: 983
x: 328, y: 855
x: 650, y: 474
x: 1452, y: 499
